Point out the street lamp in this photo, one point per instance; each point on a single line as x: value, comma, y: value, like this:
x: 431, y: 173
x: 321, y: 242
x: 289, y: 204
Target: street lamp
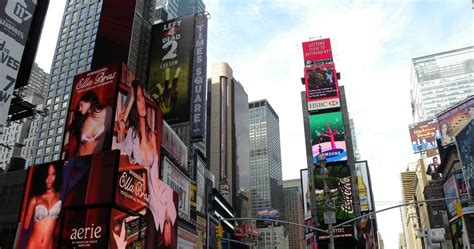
x: 328, y: 215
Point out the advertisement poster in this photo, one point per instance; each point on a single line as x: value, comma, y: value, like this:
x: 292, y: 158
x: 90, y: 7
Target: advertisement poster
x: 41, y: 208
x: 327, y: 135
x: 367, y: 236
x: 82, y: 176
x: 201, y: 184
x: 322, y: 89
x: 199, y: 80
x: 432, y: 167
x: 180, y: 184
x: 15, y: 22
x: 310, y: 235
x: 170, y: 67
x: 363, y: 186
x: 127, y: 231
x: 423, y: 135
x: 85, y: 228
x: 317, y: 52
x: 186, y: 240
x: 175, y: 147
x: 339, y: 198
x: 465, y: 144
x: 89, y: 119
x: 306, y: 198
x: 131, y: 190
x: 450, y: 191
x: 453, y: 120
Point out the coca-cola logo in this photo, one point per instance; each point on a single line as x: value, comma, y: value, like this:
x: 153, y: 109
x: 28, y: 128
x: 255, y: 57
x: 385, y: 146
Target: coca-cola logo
x: 95, y: 80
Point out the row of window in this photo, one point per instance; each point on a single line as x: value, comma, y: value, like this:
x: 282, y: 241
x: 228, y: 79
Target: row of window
x: 49, y: 141
x: 47, y: 150
x: 47, y: 158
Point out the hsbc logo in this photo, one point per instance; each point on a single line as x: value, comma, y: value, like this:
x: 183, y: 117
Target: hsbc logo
x: 324, y: 104
x: 17, y: 10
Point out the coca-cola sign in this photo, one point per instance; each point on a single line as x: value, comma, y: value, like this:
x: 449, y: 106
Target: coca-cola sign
x: 95, y: 79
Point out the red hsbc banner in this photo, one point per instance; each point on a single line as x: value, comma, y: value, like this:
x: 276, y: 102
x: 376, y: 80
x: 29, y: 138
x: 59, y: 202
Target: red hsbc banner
x: 317, y: 52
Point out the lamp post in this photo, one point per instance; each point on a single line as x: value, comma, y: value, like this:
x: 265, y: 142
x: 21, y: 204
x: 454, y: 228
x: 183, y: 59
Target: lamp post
x: 329, y: 215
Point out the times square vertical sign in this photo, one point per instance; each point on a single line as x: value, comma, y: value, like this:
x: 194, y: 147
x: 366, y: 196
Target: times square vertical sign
x: 15, y: 22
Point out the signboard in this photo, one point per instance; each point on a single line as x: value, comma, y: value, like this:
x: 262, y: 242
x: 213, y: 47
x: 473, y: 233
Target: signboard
x: 423, y: 135
x: 186, y: 240
x: 306, y: 198
x: 199, y: 80
x: 200, y: 183
x: 85, y: 228
x: 453, y: 120
x: 450, y: 191
x: 180, y: 184
x: 327, y: 135
x: 90, y: 113
x: 176, y: 148
x: 322, y: 89
x: 465, y: 144
x: 363, y: 186
x: 15, y: 22
x: 317, y: 52
x: 43, y: 189
x: 170, y: 67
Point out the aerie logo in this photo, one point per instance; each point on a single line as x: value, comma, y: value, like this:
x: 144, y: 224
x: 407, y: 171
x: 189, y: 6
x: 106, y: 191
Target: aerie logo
x: 91, y: 232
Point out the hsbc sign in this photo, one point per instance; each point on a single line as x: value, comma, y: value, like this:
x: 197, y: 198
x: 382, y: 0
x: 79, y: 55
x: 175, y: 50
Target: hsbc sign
x: 324, y: 104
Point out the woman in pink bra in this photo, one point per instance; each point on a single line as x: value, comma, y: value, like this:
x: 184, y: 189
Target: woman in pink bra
x: 140, y: 144
x: 91, y: 125
x: 43, y: 209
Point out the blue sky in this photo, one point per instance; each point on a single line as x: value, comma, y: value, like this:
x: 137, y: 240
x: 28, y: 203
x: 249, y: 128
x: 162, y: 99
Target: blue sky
x: 373, y: 43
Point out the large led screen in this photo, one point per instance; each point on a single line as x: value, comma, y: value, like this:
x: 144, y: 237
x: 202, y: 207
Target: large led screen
x: 423, y: 135
x: 90, y: 113
x: 363, y: 185
x: 465, y: 144
x: 170, y: 67
x: 42, y: 205
x: 453, y: 120
x: 327, y: 135
x: 322, y: 89
x: 317, y: 52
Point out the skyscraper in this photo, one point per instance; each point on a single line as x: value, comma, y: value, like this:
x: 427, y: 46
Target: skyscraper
x: 228, y: 134
x: 441, y: 80
x: 293, y: 195
x: 18, y: 139
x: 266, y: 183
x: 85, y: 42
x: 177, y: 8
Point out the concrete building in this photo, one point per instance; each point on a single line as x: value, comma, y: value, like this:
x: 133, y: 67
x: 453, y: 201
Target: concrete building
x: 380, y: 241
x: 18, y: 139
x: 273, y: 238
x: 266, y: 182
x: 440, y: 80
x: 228, y: 134
x: 293, y: 212
x: 84, y: 43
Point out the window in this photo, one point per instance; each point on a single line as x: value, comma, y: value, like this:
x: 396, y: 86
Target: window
x: 56, y: 100
x: 38, y: 160
x: 60, y: 129
x: 56, y: 107
x: 49, y: 140
x: 58, y: 139
x: 52, y: 123
x: 38, y: 152
x: 50, y: 132
x: 47, y: 149
x: 43, y: 126
x: 56, y: 157
x: 42, y: 134
x: 46, y: 159
x: 54, y: 115
x: 40, y: 142
x: 56, y: 148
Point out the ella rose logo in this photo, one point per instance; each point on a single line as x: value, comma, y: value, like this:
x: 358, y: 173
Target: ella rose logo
x: 100, y: 78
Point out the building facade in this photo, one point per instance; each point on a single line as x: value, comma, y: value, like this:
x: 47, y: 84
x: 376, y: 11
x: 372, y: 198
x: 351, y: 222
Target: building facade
x: 266, y: 181
x: 441, y: 80
x: 84, y: 43
x: 177, y: 8
x: 274, y: 237
x: 228, y: 134
x: 18, y: 139
x: 293, y: 197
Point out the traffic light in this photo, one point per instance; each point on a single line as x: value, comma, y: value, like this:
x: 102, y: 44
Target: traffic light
x: 458, y: 208
x: 219, y: 231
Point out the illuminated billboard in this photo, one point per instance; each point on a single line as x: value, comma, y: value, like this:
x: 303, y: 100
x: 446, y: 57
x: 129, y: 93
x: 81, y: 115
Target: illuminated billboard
x: 363, y: 185
x: 465, y: 144
x: 170, y: 67
x: 423, y: 135
x: 174, y: 146
x: 327, y: 136
x: 339, y: 199
x: 40, y: 215
x: 180, y: 184
x: 322, y: 89
x: 317, y: 52
x: 450, y: 191
x: 90, y: 113
x: 306, y: 198
x: 453, y: 120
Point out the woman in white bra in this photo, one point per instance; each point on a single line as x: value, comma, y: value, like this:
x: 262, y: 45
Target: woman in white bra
x: 43, y: 209
x: 140, y: 144
x: 91, y: 125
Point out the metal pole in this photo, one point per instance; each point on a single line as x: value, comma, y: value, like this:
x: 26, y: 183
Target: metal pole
x: 207, y: 228
x: 331, y: 237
